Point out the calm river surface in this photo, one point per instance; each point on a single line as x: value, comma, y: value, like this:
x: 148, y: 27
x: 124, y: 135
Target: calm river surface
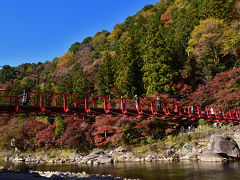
x: 149, y: 171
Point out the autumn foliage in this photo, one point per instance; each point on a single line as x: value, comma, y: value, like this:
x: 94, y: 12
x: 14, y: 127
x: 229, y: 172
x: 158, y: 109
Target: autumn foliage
x: 185, y: 52
x: 222, y: 91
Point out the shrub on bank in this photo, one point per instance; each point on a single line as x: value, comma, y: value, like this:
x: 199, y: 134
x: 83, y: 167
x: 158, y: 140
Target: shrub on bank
x: 77, y: 135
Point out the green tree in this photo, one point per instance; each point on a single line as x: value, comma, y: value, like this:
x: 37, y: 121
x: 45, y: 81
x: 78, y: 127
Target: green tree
x: 7, y: 73
x: 106, y: 75
x: 184, y: 18
x: 220, y: 9
x: 87, y: 40
x: 129, y: 75
x: 80, y: 83
x: 100, y: 42
x: 74, y: 47
x: 158, y: 66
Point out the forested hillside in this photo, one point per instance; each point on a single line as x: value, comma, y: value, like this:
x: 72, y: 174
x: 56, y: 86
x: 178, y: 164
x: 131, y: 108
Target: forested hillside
x: 172, y: 48
x: 184, y: 51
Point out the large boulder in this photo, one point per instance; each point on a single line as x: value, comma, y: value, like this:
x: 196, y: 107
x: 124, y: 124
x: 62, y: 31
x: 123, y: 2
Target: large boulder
x: 90, y: 157
x: 222, y: 144
x: 74, y: 157
x: 210, y: 157
x: 104, y: 159
x: 120, y: 149
x: 236, y: 137
x: 188, y: 152
x: 188, y: 149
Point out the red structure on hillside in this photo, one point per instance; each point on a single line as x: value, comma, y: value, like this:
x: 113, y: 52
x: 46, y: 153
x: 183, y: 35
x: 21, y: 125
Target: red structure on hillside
x: 77, y: 104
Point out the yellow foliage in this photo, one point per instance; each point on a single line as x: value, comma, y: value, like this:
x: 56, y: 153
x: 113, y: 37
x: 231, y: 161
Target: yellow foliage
x: 116, y: 33
x: 112, y: 53
x: 177, y: 6
x: 181, y: 4
x: 63, y: 60
x: 98, y: 39
x: 162, y: 3
x: 204, y: 35
x: 231, y: 39
x: 148, y: 14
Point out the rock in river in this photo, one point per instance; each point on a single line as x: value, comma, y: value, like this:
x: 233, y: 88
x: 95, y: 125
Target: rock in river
x: 222, y: 144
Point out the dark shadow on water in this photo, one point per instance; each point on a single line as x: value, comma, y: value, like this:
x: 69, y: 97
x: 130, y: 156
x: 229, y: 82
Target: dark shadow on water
x: 148, y: 171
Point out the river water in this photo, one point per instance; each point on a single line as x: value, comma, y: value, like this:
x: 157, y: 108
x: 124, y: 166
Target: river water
x: 148, y: 171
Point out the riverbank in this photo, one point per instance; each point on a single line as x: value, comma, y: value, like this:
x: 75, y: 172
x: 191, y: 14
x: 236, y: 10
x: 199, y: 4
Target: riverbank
x: 202, y: 145
x: 40, y: 175
x: 195, y: 145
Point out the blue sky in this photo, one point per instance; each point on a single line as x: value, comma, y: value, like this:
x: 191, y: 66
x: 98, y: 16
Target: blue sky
x: 39, y: 30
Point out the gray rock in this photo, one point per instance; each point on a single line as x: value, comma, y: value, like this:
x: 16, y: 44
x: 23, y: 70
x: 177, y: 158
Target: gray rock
x: 104, y: 159
x: 90, y: 157
x: 51, y: 161
x: 137, y: 160
x: 41, y: 161
x: 210, y: 157
x: 43, y: 157
x: 236, y: 137
x: 21, y: 158
x: 127, y: 156
x: 31, y: 158
x: 98, y: 152
x: 52, y: 156
x: 223, y: 144
x: 74, y: 156
x: 90, y: 162
x: 61, y: 161
x: 150, y: 158
x: 188, y: 149
x: 169, y: 152
x: 188, y: 152
x: 96, y: 163
x: 120, y: 149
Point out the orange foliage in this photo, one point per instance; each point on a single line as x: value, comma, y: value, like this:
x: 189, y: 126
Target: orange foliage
x: 64, y: 60
x: 166, y: 19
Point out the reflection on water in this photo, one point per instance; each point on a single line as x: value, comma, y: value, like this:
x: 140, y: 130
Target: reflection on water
x: 148, y: 171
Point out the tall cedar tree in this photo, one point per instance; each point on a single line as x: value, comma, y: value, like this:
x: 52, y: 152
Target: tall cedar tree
x: 129, y: 75
x: 80, y: 82
x: 220, y: 9
x: 106, y: 74
x: 158, y: 70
